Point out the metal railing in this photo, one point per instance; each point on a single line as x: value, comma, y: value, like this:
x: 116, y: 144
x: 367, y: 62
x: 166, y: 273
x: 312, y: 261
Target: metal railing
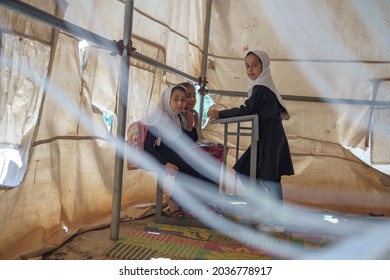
x: 252, y: 131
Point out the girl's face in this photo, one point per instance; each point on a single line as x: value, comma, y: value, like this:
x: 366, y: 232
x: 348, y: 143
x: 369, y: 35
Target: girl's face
x: 177, y: 101
x: 191, y: 98
x: 253, y: 66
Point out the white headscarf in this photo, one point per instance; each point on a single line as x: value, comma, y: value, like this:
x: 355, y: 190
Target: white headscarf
x: 164, y: 118
x: 265, y: 78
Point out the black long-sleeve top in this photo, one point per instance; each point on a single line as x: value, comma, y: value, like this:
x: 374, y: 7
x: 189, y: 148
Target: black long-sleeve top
x: 164, y: 154
x: 273, y: 153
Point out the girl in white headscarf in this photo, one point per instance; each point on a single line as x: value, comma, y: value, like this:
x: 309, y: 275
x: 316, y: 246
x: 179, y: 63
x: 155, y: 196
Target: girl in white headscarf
x: 265, y: 79
x: 165, y: 127
x: 273, y: 153
x: 167, y: 114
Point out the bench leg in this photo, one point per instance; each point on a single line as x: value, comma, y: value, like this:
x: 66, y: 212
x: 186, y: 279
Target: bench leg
x: 161, y: 219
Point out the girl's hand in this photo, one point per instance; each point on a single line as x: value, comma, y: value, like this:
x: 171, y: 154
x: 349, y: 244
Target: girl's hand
x: 192, y: 117
x: 212, y: 113
x: 171, y: 169
x: 189, y: 115
x: 196, y: 119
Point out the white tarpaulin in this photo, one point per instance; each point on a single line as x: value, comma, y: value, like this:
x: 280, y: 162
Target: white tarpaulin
x: 59, y: 100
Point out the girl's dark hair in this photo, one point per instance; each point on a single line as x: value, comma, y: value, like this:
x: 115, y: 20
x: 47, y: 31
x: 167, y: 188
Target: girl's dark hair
x: 180, y: 87
x: 254, y: 55
x: 250, y: 53
x: 186, y: 84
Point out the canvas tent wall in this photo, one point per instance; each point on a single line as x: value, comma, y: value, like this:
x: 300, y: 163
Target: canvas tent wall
x: 59, y: 103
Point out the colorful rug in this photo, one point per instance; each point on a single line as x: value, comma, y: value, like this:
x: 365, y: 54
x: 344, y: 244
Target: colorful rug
x: 192, y: 243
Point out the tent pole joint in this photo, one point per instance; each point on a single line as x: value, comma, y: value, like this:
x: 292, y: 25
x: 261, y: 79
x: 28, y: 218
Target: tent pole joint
x: 121, y: 46
x: 203, y: 90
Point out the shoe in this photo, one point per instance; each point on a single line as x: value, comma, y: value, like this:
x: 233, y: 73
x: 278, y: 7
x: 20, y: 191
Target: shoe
x: 177, y: 214
x: 269, y: 228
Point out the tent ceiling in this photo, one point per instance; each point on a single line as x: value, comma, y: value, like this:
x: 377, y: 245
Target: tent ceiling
x: 330, y: 60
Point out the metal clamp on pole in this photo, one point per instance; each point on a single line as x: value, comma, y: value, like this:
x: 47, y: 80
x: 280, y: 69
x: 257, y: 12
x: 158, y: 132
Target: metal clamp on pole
x: 203, y: 90
x: 121, y: 46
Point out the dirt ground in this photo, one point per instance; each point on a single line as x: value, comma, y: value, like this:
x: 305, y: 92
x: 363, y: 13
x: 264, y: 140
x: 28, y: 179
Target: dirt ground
x: 91, y: 245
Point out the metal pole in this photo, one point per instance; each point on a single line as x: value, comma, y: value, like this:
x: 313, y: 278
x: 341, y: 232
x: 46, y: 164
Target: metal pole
x: 309, y: 98
x: 375, y: 86
x: 224, y: 163
x: 204, y: 62
x: 30, y: 11
x: 93, y: 38
x: 162, y: 66
x: 254, y: 139
x: 60, y: 24
x: 121, y: 129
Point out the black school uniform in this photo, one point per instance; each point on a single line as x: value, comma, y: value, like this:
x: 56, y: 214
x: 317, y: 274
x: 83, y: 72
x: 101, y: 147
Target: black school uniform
x: 273, y: 153
x: 164, y: 154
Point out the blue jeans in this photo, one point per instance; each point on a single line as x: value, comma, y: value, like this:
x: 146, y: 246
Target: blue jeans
x: 273, y: 188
